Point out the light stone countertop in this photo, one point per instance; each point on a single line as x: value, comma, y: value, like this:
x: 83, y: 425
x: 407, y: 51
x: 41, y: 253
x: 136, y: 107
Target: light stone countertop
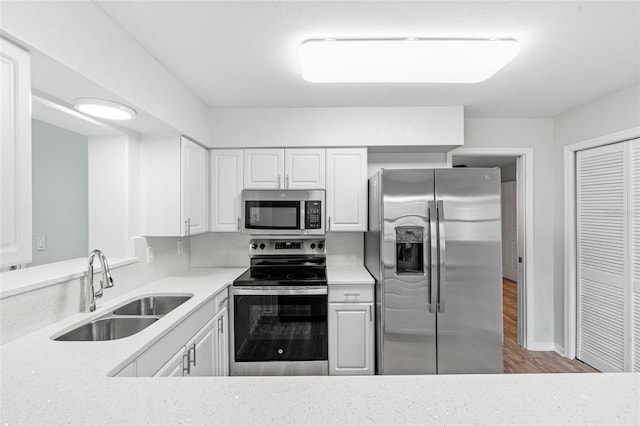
x: 348, y: 275
x: 48, y: 382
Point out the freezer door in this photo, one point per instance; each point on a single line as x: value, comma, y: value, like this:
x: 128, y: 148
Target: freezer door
x: 407, y: 343
x: 470, y: 273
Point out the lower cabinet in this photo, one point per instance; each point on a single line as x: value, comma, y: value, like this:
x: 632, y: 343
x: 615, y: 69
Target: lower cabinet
x: 351, y: 330
x: 197, y: 346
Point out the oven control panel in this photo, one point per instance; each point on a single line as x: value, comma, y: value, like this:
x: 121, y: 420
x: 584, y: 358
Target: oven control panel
x: 263, y: 246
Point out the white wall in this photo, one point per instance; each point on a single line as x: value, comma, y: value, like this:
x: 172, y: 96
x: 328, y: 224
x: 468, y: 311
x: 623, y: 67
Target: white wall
x: 613, y: 113
x: 60, y: 193
x: 537, y: 134
x: 283, y: 127
x: 82, y: 37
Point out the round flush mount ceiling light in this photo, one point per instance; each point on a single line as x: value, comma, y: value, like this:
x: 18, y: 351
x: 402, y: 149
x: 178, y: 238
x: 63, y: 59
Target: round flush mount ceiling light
x: 102, y: 108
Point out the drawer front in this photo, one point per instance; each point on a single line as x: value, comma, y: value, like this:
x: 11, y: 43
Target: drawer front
x: 157, y: 355
x: 351, y: 293
x: 221, y: 299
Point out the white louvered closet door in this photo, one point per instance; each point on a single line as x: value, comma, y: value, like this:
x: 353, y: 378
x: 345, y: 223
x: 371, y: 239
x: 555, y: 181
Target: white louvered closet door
x: 634, y: 272
x: 602, y: 231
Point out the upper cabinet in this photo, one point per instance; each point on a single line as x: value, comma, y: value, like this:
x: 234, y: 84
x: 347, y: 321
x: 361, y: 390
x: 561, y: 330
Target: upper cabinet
x: 15, y: 155
x: 226, y: 187
x: 284, y: 168
x: 174, y: 183
x: 347, y: 189
x: 194, y: 212
x: 304, y: 168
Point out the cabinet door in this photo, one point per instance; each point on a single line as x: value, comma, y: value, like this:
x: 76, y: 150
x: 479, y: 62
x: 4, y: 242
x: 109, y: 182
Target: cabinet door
x: 226, y: 184
x: 194, y: 190
x: 222, y: 344
x: 15, y: 155
x: 174, y: 367
x: 201, y: 352
x: 347, y: 189
x: 351, y: 338
x: 304, y: 168
x: 263, y: 168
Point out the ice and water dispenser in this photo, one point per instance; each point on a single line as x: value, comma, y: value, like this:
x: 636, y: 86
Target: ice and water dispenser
x: 409, y: 250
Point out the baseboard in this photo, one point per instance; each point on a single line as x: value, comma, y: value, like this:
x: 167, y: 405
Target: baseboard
x: 542, y: 346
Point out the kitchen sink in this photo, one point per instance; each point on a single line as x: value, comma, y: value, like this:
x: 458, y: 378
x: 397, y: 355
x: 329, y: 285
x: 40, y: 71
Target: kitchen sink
x: 152, y: 305
x: 126, y: 320
x: 110, y: 328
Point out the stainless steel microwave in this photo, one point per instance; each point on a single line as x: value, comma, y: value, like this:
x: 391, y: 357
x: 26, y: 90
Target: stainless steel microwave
x: 283, y: 212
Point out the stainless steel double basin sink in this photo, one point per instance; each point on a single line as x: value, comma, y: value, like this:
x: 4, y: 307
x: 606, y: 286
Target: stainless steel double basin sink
x: 126, y: 320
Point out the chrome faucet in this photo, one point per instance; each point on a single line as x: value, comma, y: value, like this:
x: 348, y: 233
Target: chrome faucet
x: 90, y: 294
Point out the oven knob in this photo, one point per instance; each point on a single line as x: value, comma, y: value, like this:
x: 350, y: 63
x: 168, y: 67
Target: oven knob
x: 320, y: 245
x: 313, y: 245
x: 254, y: 246
x: 280, y: 351
x: 262, y: 246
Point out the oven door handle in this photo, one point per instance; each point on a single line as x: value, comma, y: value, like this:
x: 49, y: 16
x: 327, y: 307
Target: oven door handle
x: 280, y: 291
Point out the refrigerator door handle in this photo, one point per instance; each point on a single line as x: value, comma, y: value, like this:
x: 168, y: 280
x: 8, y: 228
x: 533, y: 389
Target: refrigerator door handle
x: 433, y: 254
x: 441, y: 256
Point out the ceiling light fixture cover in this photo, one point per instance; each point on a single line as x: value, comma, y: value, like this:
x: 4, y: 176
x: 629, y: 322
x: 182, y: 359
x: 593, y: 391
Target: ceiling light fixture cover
x: 411, y: 60
x: 102, y: 108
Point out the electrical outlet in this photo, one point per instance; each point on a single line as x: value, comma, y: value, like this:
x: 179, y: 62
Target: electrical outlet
x: 151, y: 255
x: 41, y: 243
x: 180, y: 247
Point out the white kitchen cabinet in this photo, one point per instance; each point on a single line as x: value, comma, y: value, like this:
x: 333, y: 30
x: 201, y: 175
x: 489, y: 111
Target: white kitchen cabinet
x: 302, y: 168
x: 226, y: 183
x: 263, y: 168
x: 174, y: 182
x: 347, y: 189
x: 15, y: 155
x: 194, y: 187
x: 221, y: 343
x: 197, y: 346
x: 351, y: 329
x: 195, y: 358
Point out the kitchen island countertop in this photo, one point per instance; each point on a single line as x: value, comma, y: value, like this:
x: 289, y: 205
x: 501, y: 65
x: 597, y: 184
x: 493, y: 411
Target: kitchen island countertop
x: 48, y: 382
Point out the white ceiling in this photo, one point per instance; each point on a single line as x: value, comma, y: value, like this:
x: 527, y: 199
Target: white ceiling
x: 244, y: 54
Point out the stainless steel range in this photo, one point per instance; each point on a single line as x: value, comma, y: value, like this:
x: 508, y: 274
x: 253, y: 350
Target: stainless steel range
x: 279, y: 310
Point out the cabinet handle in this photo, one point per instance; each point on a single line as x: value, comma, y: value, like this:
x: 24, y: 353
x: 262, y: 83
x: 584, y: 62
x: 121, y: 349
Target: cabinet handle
x: 370, y: 314
x: 286, y: 182
x: 329, y: 225
x: 186, y: 369
x: 238, y: 224
x: 352, y: 294
x: 279, y: 181
x: 193, y: 348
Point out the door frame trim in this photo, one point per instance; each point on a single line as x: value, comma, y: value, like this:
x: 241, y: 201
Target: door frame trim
x: 525, y: 157
x: 570, y: 234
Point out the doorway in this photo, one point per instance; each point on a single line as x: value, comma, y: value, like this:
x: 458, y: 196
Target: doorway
x: 517, y: 202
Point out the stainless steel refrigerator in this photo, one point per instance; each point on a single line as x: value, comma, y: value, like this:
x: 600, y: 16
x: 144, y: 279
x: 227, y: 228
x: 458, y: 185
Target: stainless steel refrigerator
x: 434, y: 248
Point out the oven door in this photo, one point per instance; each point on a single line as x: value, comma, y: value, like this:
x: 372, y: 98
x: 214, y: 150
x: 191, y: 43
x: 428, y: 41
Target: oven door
x: 279, y: 330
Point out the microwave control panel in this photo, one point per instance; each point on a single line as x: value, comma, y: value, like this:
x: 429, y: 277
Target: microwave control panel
x: 313, y: 215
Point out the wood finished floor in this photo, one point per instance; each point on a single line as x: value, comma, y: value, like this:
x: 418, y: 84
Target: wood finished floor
x: 519, y: 360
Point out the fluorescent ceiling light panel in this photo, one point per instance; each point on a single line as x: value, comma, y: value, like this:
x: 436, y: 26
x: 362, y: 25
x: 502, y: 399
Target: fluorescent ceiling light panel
x: 404, y: 60
x: 102, y: 108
